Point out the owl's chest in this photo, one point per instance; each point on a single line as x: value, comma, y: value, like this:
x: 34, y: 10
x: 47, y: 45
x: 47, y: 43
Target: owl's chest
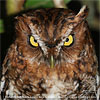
x: 42, y: 88
x: 39, y: 84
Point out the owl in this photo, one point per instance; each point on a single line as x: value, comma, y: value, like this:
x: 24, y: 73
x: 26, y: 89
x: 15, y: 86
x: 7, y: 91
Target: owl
x: 52, y: 57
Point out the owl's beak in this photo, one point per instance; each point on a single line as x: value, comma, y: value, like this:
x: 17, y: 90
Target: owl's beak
x: 52, y: 61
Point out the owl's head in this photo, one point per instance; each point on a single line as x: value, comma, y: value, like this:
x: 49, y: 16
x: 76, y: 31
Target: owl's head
x: 52, y: 36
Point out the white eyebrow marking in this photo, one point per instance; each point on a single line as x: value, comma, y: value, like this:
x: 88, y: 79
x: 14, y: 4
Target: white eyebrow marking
x: 63, y: 38
x: 39, y: 40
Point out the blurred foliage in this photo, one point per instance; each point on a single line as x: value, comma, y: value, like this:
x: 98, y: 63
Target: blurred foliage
x: 15, y: 6
x: 41, y: 3
x: 94, y: 12
x: 1, y: 26
x: 38, y: 3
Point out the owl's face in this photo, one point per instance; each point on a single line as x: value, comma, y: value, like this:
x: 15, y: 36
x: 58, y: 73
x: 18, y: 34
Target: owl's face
x: 51, y: 36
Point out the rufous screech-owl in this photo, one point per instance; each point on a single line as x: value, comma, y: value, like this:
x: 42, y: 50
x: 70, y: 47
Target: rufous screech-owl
x: 52, y: 57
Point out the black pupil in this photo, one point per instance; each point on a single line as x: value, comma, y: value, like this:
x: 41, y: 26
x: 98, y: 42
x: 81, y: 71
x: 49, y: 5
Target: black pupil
x: 67, y: 39
x: 35, y: 40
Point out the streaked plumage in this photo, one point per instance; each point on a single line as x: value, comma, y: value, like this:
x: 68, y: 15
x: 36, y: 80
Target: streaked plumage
x: 50, y: 69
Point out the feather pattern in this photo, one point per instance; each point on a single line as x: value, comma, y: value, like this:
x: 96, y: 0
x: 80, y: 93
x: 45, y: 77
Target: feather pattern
x: 26, y: 69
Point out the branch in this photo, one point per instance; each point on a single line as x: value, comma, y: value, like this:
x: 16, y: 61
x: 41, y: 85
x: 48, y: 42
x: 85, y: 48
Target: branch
x: 59, y: 3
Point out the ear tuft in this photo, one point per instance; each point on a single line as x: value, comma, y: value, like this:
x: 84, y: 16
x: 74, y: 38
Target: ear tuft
x: 83, y: 13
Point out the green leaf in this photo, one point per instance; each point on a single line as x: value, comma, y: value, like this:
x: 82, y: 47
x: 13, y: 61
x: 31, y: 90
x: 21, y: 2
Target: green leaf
x: 1, y: 26
x: 38, y: 3
x: 41, y: 3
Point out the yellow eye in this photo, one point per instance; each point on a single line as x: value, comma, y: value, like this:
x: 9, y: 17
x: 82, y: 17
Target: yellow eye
x: 69, y: 40
x: 33, y: 41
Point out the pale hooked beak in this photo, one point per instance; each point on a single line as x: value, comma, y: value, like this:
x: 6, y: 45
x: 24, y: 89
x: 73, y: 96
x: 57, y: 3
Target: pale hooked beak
x: 52, y: 62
